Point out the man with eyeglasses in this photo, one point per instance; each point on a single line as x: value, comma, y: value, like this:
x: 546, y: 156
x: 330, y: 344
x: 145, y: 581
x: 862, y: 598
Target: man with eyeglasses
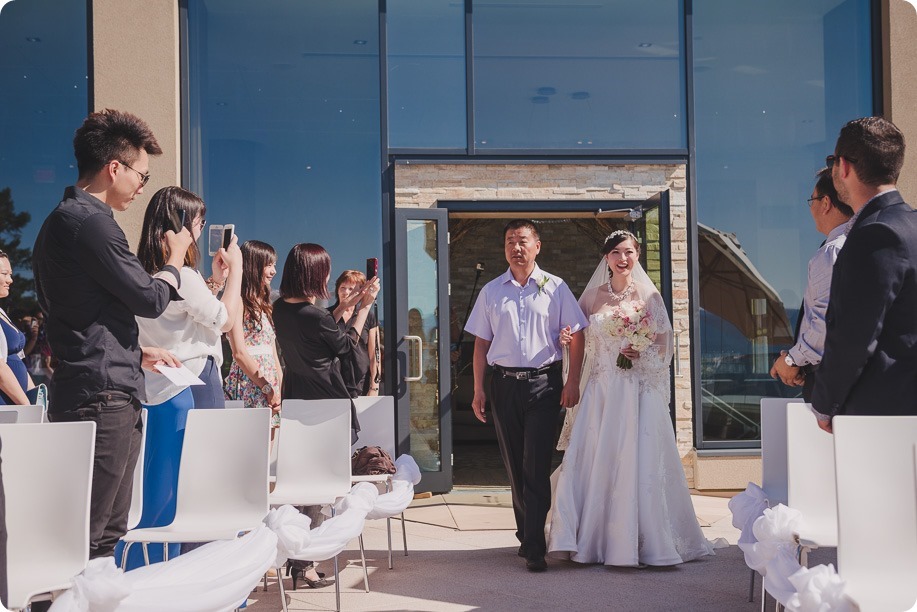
x: 870, y: 360
x: 90, y: 287
x: 797, y: 366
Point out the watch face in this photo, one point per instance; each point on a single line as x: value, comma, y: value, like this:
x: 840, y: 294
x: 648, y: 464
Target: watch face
x: 789, y: 361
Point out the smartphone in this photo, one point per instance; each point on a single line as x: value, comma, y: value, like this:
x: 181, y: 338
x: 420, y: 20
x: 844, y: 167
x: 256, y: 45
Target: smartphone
x: 228, y: 231
x: 372, y: 267
x: 177, y: 220
x: 214, y: 239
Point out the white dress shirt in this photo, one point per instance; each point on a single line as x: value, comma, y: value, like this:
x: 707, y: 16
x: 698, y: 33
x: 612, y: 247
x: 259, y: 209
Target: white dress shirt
x: 189, y: 329
x: 523, y: 322
x: 810, y: 346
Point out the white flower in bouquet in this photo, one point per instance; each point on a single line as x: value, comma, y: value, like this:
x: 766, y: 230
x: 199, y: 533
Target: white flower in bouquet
x: 632, y: 322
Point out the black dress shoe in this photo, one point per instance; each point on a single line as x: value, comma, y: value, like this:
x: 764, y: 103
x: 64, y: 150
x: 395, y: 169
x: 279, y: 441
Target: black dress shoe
x: 536, y: 564
x: 523, y: 551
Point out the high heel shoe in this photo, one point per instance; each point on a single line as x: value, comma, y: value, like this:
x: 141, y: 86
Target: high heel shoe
x: 297, y: 571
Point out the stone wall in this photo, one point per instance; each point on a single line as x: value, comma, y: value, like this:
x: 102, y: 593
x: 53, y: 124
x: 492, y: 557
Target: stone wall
x: 423, y: 185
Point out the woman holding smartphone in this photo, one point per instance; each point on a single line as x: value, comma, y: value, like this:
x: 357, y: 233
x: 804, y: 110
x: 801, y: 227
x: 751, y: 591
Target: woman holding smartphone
x: 313, y: 345
x: 361, y: 371
x: 191, y: 329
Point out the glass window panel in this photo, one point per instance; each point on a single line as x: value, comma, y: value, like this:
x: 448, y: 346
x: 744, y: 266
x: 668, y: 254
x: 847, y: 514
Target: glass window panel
x: 43, y: 77
x: 426, y: 73
x: 774, y: 82
x: 606, y: 74
x: 284, y: 123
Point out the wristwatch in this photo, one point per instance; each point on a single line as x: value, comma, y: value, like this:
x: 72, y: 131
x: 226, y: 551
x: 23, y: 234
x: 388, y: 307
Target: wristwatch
x: 267, y: 389
x: 789, y: 360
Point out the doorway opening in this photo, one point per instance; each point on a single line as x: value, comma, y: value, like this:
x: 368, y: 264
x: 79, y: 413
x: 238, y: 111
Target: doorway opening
x: 570, y: 248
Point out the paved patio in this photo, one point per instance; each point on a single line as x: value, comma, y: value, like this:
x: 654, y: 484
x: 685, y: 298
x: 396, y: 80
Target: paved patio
x: 462, y: 556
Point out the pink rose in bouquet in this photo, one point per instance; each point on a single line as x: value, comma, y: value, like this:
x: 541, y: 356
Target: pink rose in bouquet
x: 633, y: 322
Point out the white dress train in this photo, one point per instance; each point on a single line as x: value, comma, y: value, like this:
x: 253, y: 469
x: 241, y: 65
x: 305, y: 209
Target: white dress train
x: 621, y: 497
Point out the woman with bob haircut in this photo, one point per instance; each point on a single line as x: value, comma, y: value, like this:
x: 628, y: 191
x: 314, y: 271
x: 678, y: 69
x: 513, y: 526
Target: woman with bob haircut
x: 190, y: 329
x: 313, y: 346
x: 361, y: 372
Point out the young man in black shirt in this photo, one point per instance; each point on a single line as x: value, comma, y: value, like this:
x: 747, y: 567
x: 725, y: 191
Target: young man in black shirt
x: 90, y: 287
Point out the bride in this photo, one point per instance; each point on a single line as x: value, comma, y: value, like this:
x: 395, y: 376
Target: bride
x: 621, y: 496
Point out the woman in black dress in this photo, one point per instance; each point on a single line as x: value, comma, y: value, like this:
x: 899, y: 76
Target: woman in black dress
x: 361, y: 372
x: 311, y: 342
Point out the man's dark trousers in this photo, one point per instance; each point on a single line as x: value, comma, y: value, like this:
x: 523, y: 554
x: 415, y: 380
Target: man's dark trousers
x: 119, y: 432
x: 525, y: 414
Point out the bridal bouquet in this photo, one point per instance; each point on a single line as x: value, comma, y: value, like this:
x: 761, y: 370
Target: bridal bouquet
x: 632, y: 322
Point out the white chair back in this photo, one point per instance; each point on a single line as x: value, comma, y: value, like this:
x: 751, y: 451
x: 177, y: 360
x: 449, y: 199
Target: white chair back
x: 21, y: 414
x: 234, y: 404
x: 773, y: 448
x: 810, y: 476
x: 224, y: 463
x: 877, y: 509
x: 313, y: 452
x: 376, y: 416
x: 47, y: 477
x: 136, y: 510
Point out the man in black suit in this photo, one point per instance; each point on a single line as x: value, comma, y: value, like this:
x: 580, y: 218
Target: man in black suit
x: 870, y: 361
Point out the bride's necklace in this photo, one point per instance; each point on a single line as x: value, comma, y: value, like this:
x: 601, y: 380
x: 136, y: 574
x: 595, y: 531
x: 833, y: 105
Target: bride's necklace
x: 624, y: 294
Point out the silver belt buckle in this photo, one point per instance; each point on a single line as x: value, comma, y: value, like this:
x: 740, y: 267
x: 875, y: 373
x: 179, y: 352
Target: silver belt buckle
x: 521, y: 375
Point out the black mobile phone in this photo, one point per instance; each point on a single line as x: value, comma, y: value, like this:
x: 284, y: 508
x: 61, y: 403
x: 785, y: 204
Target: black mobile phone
x: 372, y: 267
x: 228, y: 231
x: 177, y: 220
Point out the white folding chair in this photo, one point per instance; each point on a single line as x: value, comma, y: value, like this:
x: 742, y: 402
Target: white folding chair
x: 21, y: 414
x: 313, y: 463
x: 136, y: 509
x: 222, y: 480
x: 47, y: 506
x: 877, y: 510
x: 810, y: 479
x: 377, y: 428
x: 773, y: 460
x: 233, y: 404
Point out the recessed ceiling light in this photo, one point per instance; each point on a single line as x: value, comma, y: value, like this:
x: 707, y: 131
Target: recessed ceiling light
x: 645, y: 45
x: 359, y: 42
x: 222, y: 104
x: 33, y: 39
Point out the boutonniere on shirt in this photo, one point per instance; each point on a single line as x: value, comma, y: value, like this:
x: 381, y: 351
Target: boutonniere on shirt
x: 541, y: 283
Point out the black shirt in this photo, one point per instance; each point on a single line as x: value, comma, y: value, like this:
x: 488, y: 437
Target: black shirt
x: 355, y: 370
x: 313, y: 347
x: 90, y: 287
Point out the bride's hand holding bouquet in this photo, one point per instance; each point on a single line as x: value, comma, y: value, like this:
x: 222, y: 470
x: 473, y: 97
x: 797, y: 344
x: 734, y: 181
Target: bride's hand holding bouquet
x: 633, y: 322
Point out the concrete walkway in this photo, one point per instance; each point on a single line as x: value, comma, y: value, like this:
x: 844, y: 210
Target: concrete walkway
x: 462, y: 556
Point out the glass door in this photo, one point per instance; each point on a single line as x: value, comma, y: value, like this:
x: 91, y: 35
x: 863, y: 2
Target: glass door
x: 422, y: 385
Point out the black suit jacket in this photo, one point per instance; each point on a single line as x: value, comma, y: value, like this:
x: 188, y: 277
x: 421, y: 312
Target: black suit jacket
x: 870, y: 362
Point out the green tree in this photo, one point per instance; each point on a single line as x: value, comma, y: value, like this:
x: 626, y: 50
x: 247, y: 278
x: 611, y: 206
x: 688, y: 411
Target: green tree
x: 22, y: 294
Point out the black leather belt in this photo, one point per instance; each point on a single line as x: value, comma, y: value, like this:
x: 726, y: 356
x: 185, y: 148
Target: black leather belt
x: 526, y: 373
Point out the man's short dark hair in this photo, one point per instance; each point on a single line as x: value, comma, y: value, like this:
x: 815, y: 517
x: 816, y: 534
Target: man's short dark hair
x: 520, y: 224
x: 111, y: 135
x: 825, y: 187
x: 875, y: 147
x: 305, y: 272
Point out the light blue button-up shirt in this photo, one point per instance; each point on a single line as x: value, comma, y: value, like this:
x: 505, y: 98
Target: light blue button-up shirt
x: 523, y: 322
x: 811, y: 343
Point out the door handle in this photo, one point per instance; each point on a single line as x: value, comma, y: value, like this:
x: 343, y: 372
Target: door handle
x: 419, y: 343
x: 678, y: 373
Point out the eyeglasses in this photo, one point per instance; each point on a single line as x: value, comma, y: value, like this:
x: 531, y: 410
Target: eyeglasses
x: 832, y: 159
x: 812, y: 199
x: 144, y: 178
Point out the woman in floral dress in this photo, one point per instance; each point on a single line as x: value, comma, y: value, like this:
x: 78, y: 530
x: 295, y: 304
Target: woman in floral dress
x: 255, y: 374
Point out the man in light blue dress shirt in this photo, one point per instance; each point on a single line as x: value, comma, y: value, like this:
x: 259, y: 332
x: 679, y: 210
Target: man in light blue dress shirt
x: 517, y: 320
x: 797, y: 366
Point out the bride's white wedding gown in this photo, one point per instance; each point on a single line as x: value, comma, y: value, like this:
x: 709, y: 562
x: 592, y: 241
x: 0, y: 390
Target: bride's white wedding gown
x: 621, y: 497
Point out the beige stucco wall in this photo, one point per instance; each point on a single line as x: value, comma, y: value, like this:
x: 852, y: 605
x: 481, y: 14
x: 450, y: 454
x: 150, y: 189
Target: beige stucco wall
x: 900, y: 59
x: 135, y: 47
x: 423, y: 185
